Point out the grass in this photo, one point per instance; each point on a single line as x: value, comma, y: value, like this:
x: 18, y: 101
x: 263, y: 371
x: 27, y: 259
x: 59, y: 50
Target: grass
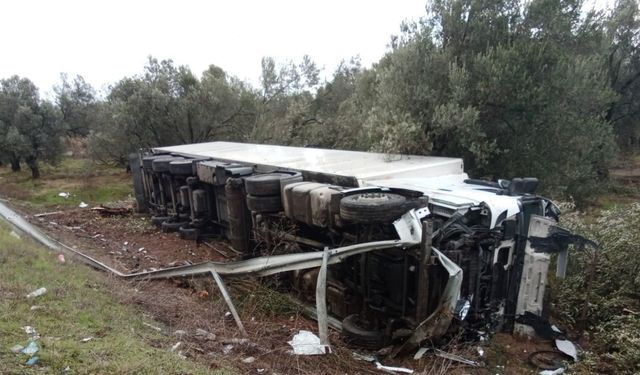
x: 77, y: 305
x: 84, y: 180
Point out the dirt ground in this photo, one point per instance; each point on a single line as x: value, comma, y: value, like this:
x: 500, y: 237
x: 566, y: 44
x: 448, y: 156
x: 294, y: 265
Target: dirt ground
x: 131, y: 243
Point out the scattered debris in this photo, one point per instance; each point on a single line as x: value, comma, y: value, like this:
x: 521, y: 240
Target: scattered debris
x: 153, y: 327
x: 568, y: 348
x: 86, y: 339
x: 30, y: 349
x: 249, y: 360
x: 37, y: 293
x: 380, y: 366
x: 48, y: 213
x: 227, y: 349
x: 109, y: 211
x: 64, y: 195
x: 420, y: 353
x: 456, y: 358
x: 29, y: 330
x: 17, y: 348
x: 557, y: 371
x: 480, y: 351
x: 32, y: 361
x: 66, y: 369
x: 176, y: 346
x: 548, y: 359
x: 36, y: 307
x: 179, y: 333
x: 204, y: 335
x: 14, y: 234
x: 203, y: 294
x: 306, y: 343
x: 61, y: 258
x: 83, y: 205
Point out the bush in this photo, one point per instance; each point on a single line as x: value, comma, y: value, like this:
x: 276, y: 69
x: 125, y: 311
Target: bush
x: 612, y: 316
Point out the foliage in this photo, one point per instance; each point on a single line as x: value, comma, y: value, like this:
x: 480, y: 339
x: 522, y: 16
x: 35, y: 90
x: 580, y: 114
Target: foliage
x: 606, y: 302
x: 77, y: 102
x: 623, y: 62
x: 29, y: 126
x: 169, y: 105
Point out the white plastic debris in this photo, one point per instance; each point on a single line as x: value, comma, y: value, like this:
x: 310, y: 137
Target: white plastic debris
x: 14, y: 234
x: 29, y: 330
x: 30, y: 349
x: 306, y: 343
x: 557, y: 371
x: 17, y: 348
x: 227, y: 349
x: 480, y: 351
x: 382, y: 367
x: 36, y: 307
x: 61, y: 258
x: 64, y: 195
x: 204, y: 335
x: 86, y: 339
x: 420, y: 353
x: 176, y: 346
x: 37, y: 293
x: 152, y: 327
x: 568, y: 348
x: 83, y: 205
x: 555, y: 328
x: 249, y: 360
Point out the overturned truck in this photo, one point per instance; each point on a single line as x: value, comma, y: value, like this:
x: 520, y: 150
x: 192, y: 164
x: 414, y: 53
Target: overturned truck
x: 429, y: 250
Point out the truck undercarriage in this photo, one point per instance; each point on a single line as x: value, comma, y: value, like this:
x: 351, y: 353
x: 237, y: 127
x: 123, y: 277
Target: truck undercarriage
x: 407, y: 264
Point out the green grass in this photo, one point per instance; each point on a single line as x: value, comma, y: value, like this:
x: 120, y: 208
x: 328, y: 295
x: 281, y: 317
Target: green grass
x: 84, y: 180
x: 77, y: 305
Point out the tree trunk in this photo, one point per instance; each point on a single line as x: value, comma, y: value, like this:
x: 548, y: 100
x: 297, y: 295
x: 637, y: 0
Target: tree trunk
x: 15, y: 164
x: 32, y: 162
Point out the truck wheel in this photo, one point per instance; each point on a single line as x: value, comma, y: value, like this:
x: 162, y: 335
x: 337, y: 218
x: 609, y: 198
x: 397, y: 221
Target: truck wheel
x: 372, y: 207
x: 189, y: 233
x: 264, y: 204
x: 158, y: 220
x: 354, y: 335
x: 268, y: 184
x: 168, y: 226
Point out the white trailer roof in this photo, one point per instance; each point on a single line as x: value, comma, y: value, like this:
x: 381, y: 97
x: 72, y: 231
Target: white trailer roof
x: 363, y: 166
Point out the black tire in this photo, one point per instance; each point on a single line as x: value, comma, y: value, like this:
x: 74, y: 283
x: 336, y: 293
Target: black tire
x: 269, y: 184
x: 169, y: 226
x: 158, y: 220
x: 264, y: 204
x: 354, y: 335
x: 372, y: 207
x: 181, y: 167
x: 189, y: 233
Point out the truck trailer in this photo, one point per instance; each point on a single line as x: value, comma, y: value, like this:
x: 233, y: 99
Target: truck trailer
x: 422, y: 249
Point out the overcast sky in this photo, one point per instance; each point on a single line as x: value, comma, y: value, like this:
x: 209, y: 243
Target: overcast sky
x: 106, y: 40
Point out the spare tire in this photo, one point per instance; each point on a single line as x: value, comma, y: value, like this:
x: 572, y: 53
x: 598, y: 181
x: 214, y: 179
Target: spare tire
x: 264, y: 204
x: 375, y: 207
x: 268, y: 184
x: 354, y: 334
